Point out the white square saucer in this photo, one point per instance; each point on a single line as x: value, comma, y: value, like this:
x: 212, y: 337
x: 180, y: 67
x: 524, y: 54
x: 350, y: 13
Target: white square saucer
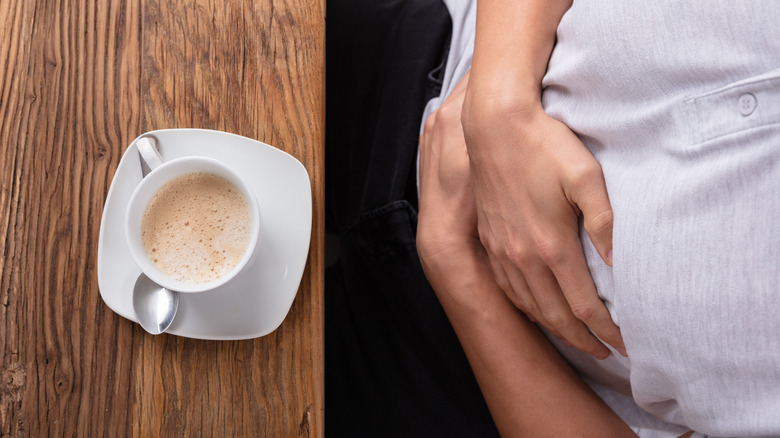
x: 255, y: 302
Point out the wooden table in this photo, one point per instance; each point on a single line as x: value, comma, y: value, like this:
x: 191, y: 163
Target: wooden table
x: 79, y: 80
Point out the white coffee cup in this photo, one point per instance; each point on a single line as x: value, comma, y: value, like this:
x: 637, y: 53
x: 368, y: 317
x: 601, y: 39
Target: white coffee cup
x: 161, y: 174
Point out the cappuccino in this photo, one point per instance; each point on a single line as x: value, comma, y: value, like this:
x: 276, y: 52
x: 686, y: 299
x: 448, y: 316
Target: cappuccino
x: 196, y: 227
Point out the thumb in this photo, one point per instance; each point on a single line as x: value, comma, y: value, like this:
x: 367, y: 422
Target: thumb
x: 596, y: 210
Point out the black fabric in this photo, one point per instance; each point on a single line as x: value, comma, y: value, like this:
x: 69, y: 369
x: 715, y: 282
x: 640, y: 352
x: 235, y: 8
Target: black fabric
x: 393, y: 365
x: 379, y: 53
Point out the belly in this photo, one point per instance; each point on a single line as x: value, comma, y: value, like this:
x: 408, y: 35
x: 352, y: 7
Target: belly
x: 693, y: 173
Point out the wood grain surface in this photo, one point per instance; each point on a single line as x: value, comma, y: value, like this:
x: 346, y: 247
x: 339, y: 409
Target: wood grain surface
x: 79, y: 80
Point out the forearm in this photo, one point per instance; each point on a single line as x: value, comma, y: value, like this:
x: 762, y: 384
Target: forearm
x: 529, y: 388
x: 513, y: 43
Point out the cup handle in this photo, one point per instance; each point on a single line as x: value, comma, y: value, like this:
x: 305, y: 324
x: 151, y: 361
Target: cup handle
x: 147, y: 148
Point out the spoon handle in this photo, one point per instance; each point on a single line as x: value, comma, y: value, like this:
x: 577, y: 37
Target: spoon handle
x: 148, y: 153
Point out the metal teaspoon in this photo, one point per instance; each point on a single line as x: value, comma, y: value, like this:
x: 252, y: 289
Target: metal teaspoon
x: 155, y: 306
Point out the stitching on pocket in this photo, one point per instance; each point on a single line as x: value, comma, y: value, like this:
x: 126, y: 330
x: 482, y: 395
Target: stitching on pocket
x: 384, y: 232
x: 717, y: 113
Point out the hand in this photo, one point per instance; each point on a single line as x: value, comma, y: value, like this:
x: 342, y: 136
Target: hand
x: 448, y: 218
x: 531, y: 179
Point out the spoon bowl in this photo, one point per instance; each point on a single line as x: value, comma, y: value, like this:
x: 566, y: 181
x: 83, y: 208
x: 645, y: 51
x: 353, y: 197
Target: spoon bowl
x: 155, y: 306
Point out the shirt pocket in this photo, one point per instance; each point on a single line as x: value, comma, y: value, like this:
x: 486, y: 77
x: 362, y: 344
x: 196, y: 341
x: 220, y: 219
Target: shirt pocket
x: 737, y: 108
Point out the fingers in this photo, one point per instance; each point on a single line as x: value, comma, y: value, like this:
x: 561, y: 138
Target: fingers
x: 526, y: 278
x: 549, y: 280
x: 518, y: 292
x: 573, y: 277
x: 558, y: 314
x: 589, y: 193
x: 503, y: 282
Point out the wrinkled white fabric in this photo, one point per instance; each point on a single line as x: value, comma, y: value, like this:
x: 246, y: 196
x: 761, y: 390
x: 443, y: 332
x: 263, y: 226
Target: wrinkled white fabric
x: 680, y: 103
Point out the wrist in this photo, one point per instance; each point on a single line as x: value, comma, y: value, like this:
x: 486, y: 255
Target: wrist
x: 439, y: 247
x: 496, y: 124
x: 494, y: 97
x: 460, y: 275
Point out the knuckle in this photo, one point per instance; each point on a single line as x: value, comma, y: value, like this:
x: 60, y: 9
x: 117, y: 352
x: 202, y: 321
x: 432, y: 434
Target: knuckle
x: 490, y: 248
x: 449, y: 114
x: 587, y: 347
x: 484, y: 237
x: 600, y: 222
x: 586, y: 173
x: 557, y: 320
x: 518, y: 301
x: 584, y: 312
x: 551, y: 250
x: 504, y: 285
x: 430, y: 123
x: 517, y: 254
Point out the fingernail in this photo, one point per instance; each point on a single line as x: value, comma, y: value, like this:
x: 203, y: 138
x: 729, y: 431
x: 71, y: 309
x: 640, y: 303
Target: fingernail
x: 609, y: 257
x: 602, y: 355
x: 622, y: 350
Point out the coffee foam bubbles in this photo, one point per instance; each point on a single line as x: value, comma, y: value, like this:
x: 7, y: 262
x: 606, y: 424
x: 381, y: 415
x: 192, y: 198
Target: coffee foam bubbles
x: 196, y: 228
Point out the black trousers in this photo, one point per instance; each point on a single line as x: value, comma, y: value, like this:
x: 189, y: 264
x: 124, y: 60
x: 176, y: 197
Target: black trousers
x: 393, y: 365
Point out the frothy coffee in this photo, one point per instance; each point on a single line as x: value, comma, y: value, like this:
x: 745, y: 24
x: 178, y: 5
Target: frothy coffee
x: 196, y: 228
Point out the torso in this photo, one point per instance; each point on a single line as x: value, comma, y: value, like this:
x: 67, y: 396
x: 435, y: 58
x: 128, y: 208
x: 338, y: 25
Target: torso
x: 682, y: 110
